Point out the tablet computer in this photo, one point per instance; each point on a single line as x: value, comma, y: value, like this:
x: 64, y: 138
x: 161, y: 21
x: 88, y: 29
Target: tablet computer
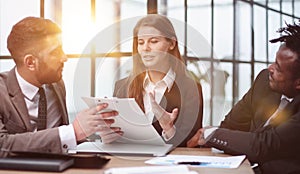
x: 131, y: 119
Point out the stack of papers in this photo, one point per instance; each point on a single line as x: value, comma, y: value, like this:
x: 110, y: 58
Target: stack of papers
x: 199, y: 161
x: 151, y: 170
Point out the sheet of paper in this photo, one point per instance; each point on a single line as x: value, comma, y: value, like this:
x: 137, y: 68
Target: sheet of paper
x: 214, y: 150
x: 199, y: 161
x: 151, y: 170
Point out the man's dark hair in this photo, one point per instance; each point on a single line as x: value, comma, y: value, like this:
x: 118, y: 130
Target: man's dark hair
x: 290, y: 36
x: 26, y: 34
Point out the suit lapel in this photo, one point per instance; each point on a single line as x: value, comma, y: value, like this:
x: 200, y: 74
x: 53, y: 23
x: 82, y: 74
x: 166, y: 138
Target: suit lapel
x: 271, y: 102
x: 62, y: 105
x: 17, y: 99
x: 287, y: 111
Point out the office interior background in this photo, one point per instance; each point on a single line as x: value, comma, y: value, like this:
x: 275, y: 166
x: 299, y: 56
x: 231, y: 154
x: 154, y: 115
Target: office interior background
x: 235, y: 34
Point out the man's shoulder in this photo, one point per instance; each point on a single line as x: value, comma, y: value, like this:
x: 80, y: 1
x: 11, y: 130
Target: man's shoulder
x: 4, y: 75
x: 3, y: 79
x: 4, y: 89
x: 262, y: 79
x: 261, y: 87
x: 263, y: 73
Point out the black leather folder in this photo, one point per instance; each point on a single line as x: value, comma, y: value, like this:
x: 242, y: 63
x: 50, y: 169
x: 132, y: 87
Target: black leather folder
x: 36, y: 163
x: 50, y: 162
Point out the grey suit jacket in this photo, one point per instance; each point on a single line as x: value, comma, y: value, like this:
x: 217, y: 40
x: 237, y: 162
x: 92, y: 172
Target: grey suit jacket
x: 16, y: 132
x: 186, y: 95
x: 275, y: 147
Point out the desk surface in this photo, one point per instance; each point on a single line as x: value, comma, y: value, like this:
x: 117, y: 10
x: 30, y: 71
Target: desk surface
x: 122, y: 161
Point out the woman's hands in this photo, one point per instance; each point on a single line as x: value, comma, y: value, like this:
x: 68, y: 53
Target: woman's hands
x: 165, y: 119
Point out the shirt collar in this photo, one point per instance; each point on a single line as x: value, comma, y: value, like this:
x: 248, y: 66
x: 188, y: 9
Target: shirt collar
x: 168, y: 79
x: 27, y: 89
x: 289, y: 99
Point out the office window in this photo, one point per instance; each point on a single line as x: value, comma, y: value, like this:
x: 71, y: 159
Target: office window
x: 260, y: 34
x: 174, y: 9
x: 274, y: 4
x: 244, y: 77
x: 77, y: 80
x: 258, y: 67
x: 9, y: 16
x: 223, y: 29
x: 222, y: 92
x: 296, y: 6
x: 199, y: 17
x: 243, y: 32
x: 273, y: 25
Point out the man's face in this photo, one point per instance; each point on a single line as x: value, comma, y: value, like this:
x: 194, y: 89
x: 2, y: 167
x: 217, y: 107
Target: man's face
x: 51, y: 60
x: 281, y: 74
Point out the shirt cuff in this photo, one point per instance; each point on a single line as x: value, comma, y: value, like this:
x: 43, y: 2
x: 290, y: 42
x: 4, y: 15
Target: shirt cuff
x: 67, y: 137
x: 167, y: 135
x: 209, y: 131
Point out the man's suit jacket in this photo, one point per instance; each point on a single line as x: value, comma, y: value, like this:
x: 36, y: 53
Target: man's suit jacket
x: 275, y: 147
x: 16, y: 132
x: 186, y: 95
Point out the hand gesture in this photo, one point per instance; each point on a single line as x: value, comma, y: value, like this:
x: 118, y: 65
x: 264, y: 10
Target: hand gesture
x: 165, y: 119
x: 90, y: 121
x: 110, y: 134
x: 197, y: 139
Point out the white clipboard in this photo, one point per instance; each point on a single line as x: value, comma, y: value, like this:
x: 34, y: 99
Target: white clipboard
x: 131, y: 119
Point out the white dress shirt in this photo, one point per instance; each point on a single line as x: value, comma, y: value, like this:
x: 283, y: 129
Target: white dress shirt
x: 159, y: 89
x: 280, y: 107
x: 54, y: 116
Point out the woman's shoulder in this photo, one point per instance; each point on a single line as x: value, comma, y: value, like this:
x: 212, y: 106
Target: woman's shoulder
x: 187, y: 84
x: 123, y: 81
x: 186, y: 78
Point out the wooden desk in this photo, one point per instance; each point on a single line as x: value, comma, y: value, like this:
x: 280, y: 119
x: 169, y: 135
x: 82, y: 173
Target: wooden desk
x: 124, y: 161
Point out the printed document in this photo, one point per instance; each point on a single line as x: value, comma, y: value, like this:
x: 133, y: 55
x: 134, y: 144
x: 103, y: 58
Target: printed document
x: 151, y: 170
x: 199, y: 161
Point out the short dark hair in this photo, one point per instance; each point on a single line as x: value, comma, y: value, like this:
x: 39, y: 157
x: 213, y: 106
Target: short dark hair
x: 28, y: 31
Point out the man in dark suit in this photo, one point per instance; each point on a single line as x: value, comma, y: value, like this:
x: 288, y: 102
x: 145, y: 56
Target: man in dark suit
x: 255, y: 127
x: 36, y: 48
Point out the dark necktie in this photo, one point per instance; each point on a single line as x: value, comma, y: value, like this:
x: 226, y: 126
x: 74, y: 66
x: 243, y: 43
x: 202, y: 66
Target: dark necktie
x: 281, y: 106
x: 42, y: 110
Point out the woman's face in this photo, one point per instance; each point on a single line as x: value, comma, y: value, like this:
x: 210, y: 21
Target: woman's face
x: 153, y: 48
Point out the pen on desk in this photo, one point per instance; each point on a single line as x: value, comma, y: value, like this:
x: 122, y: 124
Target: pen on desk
x: 197, y: 163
